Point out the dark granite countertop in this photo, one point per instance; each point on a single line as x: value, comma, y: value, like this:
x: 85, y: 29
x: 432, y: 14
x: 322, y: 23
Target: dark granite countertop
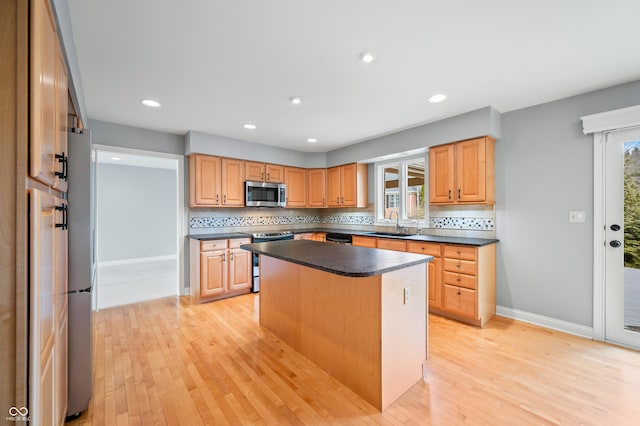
x: 478, y: 242
x: 220, y: 236
x: 349, y: 261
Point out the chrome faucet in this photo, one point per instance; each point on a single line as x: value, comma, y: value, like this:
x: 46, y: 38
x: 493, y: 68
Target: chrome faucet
x: 397, y: 212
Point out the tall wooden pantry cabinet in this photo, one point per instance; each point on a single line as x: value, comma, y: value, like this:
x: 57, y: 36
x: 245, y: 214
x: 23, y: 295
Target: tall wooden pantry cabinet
x: 34, y: 114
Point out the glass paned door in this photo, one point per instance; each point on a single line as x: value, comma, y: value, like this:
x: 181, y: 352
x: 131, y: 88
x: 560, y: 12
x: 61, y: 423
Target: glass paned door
x: 622, y: 215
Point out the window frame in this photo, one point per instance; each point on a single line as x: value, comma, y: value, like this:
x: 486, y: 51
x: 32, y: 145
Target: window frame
x: 403, y: 164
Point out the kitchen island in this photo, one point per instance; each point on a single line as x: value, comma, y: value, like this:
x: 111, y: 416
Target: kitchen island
x: 358, y: 313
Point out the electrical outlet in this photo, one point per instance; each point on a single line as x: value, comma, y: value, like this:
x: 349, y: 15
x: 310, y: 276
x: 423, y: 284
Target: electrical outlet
x: 577, y: 216
x: 407, y: 294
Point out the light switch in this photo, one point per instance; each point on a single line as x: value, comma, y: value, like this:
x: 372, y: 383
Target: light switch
x: 577, y: 216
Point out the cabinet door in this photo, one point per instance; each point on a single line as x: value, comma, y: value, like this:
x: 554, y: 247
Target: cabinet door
x: 232, y: 182
x: 349, y: 185
x: 391, y: 244
x: 204, y: 181
x: 42, y: 296
x: 333, y: 186
x: 43, y: 51
x: 317, y: 187
x: 441, y: 174
x: 460, y: 301
x: 435, y: 283
x: 213, y: 272
x: 254, y: 171
x: 62, y: 107
x: 274, y: 172
x: 319, y: 236
x: 363, y: 241
x: 471, y: 171
x: 61, y: 370
x: 240, y: 268
x: 295, y: 179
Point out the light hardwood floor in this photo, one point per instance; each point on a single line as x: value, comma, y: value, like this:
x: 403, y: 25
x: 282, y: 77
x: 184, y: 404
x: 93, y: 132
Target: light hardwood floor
x: 169, y: 362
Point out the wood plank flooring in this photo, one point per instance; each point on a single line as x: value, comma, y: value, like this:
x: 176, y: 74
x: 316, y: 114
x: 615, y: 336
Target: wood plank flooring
x: 169, y: 362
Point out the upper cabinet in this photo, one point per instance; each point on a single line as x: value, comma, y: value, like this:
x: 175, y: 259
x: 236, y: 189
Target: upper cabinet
x: 296, y: 180
x: 204, y: 181
x: 215, y: 181
x: 317, y: 188
x: 462, y: 172
x: 49, y: 100
x: 347, y: 185
x: 262, y: 172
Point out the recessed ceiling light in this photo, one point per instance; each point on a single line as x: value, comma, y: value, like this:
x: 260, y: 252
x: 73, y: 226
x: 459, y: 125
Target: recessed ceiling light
x: 312, y: 140
x: 116, y: 158
x: 296, y: 100
x: 249, y: 126
x: 151, y: 103
x: 437, y: 98
x: 367, y: 56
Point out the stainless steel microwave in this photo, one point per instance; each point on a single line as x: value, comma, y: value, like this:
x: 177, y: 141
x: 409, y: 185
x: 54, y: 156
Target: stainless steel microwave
x: 265, y: 194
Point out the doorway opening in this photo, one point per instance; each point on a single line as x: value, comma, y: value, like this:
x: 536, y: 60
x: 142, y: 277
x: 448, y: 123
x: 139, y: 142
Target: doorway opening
x: 139, y: 226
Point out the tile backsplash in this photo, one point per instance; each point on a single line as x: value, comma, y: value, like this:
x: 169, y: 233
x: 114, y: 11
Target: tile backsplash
x: 465, y: 221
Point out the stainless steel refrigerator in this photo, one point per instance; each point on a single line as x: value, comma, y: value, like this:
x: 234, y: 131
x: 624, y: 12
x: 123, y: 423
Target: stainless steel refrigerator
x: 82, y: 268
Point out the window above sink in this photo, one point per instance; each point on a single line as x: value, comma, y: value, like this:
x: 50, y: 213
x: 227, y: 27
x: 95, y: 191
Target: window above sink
x: 401, y: 195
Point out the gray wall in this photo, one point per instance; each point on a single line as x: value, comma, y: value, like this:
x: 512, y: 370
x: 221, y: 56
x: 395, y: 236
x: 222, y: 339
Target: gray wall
x: 105, y: 133
x: 204, y: 143
x: 136, y: 211
x: 544, y: 168
x: 481, y: 122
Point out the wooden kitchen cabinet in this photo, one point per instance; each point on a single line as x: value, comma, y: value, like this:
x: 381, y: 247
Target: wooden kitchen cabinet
x: 219, y: 269
x: 391, y: 244
x: 296, y: 180
x: 347, y: 185
x: 215, y: 181
x: 312, y: 236
x: 360, y: 241
x: 232, y: 172
x: 434, y: 269
x: 462, y: 172
x: 468, y: 278
x: 205, y: 185
x: 48, y: 100
x: 317, y: 188
x: 264, y: 172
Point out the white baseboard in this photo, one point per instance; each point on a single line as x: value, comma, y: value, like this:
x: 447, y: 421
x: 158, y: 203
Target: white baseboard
x: 547, y: 322
x: 137, y: 260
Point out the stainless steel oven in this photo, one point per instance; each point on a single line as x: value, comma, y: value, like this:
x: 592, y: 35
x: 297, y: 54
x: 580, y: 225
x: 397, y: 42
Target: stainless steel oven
x: 261, y: 238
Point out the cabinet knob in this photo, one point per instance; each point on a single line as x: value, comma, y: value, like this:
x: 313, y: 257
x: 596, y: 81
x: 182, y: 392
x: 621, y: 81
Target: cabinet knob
x: 458, y: 193
x: 232, y: 257
x: 458, y: 293
x: 225, y: 199
x: 268, y: 176
x: 261, y: 176
x: 458, y: 279
x: 217, y: 198
x: 449, y: 194
x: 224, y: 257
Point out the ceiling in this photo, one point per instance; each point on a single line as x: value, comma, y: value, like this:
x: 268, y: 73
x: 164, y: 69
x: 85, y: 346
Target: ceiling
x: 215, y: 65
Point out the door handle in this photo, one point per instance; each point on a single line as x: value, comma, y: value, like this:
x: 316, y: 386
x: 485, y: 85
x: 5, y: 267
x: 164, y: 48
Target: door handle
x: 615, y: 227
x: 615, y: 243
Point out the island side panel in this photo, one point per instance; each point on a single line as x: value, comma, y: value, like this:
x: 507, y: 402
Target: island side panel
x: 404, y: 330
x: 341, y: 326
x: 332, y: 320
x: 280, y: 284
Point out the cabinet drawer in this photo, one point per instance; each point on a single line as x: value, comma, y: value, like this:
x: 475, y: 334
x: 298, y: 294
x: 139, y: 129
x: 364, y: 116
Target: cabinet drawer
x: 460, y: 252
x: 462, y: 266
x: 453, y: 278
x: 213, y: 245
x: 424, y: 248
x: 396, y: 245
x: 460, y: 301
x: 237, y: 242
x: 363, y: 241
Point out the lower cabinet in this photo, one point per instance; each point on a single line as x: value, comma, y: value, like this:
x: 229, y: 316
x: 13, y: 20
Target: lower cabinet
x: 219, y: 269
x: 313, y: 236
x: 461, y: 279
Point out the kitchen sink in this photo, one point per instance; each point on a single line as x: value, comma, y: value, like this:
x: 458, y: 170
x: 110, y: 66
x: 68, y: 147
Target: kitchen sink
x: 389, y: 234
